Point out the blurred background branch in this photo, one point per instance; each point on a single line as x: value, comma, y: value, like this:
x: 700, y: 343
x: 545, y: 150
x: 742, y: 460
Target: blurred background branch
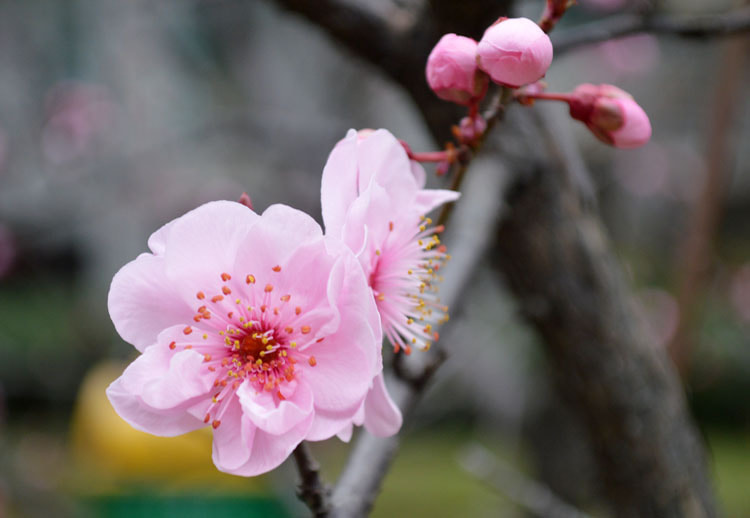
x: 688, y: 26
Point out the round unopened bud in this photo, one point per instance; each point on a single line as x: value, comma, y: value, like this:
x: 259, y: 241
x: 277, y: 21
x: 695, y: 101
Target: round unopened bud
x: 611, y: 114
x: 452, y: 70
x: 514, y: 52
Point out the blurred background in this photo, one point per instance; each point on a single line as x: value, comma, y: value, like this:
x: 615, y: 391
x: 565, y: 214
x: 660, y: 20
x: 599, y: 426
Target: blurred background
x: 116, y: 117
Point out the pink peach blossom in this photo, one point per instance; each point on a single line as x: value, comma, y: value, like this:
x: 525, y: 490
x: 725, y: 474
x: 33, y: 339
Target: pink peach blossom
x: 611, y: 114
x: 452, y: 70
x: 373, y: 198
x: 254, y: 324
x: 514, y: 52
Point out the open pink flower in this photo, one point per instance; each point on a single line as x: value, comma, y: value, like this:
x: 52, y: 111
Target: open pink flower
x: 373, y: 199
x: 254, y: 324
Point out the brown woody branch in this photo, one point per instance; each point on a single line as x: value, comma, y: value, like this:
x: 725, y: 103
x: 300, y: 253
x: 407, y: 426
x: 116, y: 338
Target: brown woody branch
x: 311, y: 489
x: 688, y: 26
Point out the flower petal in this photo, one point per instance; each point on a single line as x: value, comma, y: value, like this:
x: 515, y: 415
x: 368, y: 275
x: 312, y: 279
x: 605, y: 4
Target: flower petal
x: 203, y: 243
x: 269, y: 450
x: 428, y: 199
x: 234, y: 439
x: 338, y: 187
x: 146, y: 419
x: 155, y: 392
x: 382, y: 416
x: 263, y: 411
x: 142, y: 301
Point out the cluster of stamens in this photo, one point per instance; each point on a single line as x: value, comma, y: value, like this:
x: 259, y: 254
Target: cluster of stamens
x: 406, y: 289
x: 247, y: 333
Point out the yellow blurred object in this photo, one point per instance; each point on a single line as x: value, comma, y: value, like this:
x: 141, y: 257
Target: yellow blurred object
x: 108, y: 451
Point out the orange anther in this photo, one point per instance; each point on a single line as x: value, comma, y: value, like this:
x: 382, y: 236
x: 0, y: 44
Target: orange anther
x: 207, y: 418
x: 268, y: 288
x: 390, y: 225
x: 281, y: 396
x: 215, y: 424
x: 312, y: 361
x: 285, y: 298
x: 320, y: 339
x: 297, y: 310
x: 197, y: 318
x: 305, y: 329
x: 289, y: 329
x: 225, y: 290
x: 407, y: 349
x: 230, y: 314
x: 172, y: 345
x: 263, y: 308
x: 187, y: 330
x: 276, y: 268
x: 206, y: 357
x: 200, y: 295
x: 217, y: 298
x: 225, y: 277
x: 250, y: 279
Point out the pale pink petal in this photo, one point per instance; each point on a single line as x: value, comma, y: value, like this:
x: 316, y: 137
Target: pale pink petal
x: 269, y: 450
x: 160, y: 383
x: 339, y: 183
x: 346, y: 361
x: 419, y: 175
x: 327, y: 424
x: 146, y: 419
x: 142, y: 301
x: 157, y: 242
x: 383, y: 160
x: 345, y: 435
x: 428, y: 199
x: 382, y: 416
x: 234, y: 439
x: 365, y: 220
x: 203, y: 244
x: 276, y: 418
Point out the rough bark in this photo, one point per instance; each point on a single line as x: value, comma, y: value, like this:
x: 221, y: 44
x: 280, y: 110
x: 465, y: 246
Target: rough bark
x: 553, y: 253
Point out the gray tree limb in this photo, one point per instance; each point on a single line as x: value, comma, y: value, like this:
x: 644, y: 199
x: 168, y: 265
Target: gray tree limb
x: 688, y: 26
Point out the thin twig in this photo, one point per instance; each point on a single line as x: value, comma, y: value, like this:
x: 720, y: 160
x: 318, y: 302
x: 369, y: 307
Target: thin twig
x: 494, y: 113
x: 311, y: 490
x: 695, y: 258
x: 534, y: 496
x: 688, y: 26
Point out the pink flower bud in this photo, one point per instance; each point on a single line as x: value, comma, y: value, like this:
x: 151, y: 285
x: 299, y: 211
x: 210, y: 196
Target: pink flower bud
x: 470, y: 129
x: 611, y: 114
x: 452, y: 71
x: 514, y: 52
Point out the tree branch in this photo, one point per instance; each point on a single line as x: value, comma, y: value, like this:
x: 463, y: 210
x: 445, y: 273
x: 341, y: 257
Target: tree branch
x: 482, y: 464
x: 693, y: 26
x: 311, y: 489
x: 553, y: 252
